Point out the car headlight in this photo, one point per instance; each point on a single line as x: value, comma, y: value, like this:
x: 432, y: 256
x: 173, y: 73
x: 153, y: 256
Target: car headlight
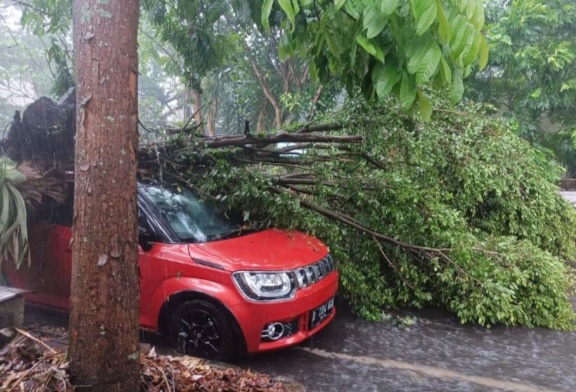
x: 265, y: 286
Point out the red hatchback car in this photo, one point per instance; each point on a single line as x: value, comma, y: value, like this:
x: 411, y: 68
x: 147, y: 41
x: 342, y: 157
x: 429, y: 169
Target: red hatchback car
x: 215, y: 289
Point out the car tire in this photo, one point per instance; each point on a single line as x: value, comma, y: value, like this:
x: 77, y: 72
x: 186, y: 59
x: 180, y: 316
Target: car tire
x: 200, y: 329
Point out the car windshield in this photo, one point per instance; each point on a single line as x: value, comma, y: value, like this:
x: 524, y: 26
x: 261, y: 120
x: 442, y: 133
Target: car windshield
x: 191, y: 218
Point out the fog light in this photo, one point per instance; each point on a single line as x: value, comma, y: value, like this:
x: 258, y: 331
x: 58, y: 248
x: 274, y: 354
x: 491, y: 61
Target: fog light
x: 277, y: 330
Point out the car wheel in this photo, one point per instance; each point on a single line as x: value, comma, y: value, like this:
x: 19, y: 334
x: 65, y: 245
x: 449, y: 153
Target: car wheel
x: 199, y: 328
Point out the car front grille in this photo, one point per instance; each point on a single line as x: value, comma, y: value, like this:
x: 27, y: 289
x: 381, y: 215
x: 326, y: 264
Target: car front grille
x: 310, y: 274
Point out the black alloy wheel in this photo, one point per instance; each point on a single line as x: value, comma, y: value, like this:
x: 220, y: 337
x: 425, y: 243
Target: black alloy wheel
x: 200, y: 329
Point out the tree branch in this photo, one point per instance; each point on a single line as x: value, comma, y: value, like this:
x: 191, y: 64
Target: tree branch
x: 279, y: 138
x: 271, y: 98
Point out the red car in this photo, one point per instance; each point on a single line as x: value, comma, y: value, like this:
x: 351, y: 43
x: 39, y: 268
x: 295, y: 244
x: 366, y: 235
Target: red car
x: 215, y: 289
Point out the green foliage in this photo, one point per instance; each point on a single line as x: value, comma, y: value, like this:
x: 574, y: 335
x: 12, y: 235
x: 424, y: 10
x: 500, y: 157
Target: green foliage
x: 13, y: 231
x: 532, y: 70
x: 191, y: 28
x: 400, y: 46
x: 481, y: 205
x: 52, y: 20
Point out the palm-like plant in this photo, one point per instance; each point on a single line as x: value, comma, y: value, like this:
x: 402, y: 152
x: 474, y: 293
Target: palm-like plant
x: 13, y: 231
x: 22, y: 186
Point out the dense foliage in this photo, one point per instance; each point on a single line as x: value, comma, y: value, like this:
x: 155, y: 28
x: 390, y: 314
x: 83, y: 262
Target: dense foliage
x: 531, y: 74
x: 457, y: 213
x: 387, y: 46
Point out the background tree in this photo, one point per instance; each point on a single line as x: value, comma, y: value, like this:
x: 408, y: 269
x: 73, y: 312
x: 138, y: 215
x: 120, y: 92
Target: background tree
x: 386, y: 46
x: 531, y: 75
x: 104, y: 338
x: 25, y: 74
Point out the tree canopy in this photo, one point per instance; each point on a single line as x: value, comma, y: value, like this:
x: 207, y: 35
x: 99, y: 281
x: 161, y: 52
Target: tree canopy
x: 531, y: 74
x: 387, y: 46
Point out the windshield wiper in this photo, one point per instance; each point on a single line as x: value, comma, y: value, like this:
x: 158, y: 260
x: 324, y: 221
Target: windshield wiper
x: 232, y: 233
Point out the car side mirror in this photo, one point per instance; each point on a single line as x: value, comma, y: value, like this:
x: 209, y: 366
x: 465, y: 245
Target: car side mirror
x: 145, y: 238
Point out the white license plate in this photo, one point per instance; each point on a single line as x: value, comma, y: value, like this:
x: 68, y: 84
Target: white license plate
x: 320, y: 313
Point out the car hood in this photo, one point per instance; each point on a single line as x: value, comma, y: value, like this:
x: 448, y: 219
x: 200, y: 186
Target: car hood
x: 268, y: 250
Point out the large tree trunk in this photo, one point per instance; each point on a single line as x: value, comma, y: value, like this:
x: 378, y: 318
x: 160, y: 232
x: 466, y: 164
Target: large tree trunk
x: 104, y: 344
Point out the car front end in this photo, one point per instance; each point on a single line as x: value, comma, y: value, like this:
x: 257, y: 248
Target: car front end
x: 283, y: 308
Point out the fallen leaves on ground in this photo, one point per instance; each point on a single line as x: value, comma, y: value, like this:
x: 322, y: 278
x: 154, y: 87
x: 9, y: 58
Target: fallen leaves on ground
x: 29, y: 364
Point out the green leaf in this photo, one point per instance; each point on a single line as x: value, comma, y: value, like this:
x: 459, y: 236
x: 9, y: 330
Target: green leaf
x: 379, y: 53
x: 353, y: 8
x: 483, y: 53
x: 387, y: 7
x: 385, y: 77
x: 472, y: 52
x: 457, y: 28
x: 339, y: 3
x: 424, y: 62
x: 266, y: 10
x: 296, y: 6
x: 366, y: 44
x: 429, y: 64
x: 478, y: 17
x: 464, y: 38
x: 374, y: 21
x: 13, y: 229
x: 286, y: 5
x: 420, y: 7
x: 446, y: 71
x: 426, y: 19
x: 407, y: 91
x: 425, y: 107
x: 457, y: 86
x: 443, y: 26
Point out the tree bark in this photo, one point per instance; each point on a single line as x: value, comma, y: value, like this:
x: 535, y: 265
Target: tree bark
x: 104, y: 336
x: 230, y: 141
x: 212, y: 118
x: 197, y: 106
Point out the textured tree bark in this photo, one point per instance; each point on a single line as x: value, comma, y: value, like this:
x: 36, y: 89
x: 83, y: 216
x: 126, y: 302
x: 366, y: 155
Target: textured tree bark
x: 212, y: 118
x: 104, y: 344
x: 197, y: 106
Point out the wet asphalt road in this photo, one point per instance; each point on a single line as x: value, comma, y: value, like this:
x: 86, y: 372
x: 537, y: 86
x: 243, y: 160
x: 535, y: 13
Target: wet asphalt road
x: 434, y: 354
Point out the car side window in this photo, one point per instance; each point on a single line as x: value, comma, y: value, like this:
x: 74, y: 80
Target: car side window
x: 144, y: 228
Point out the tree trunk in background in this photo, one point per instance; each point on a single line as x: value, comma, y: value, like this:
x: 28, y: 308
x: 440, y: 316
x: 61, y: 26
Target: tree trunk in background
x: 186, y: 106
x: 212, y: 118
x: 196, y: 105
x: 104, y: 338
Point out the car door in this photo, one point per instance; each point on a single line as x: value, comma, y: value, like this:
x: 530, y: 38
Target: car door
x: 47, y: 274
x: 152, y: 268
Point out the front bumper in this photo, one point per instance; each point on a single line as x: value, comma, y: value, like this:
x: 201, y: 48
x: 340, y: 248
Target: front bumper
x: 254, y: 316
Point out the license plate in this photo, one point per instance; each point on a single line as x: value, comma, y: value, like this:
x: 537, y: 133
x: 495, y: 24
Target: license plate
x: 320, y: 313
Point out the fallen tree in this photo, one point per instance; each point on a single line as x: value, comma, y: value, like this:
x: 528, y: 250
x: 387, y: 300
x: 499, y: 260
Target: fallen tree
x: 456, y: 213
